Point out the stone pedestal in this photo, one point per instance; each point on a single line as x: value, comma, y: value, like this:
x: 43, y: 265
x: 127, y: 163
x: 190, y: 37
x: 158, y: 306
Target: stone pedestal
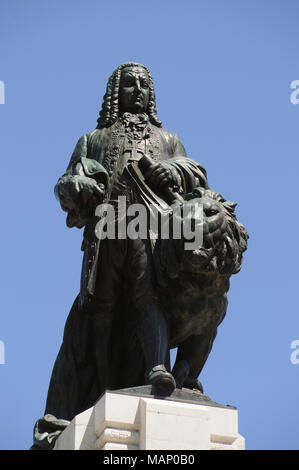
x: 134, y: 419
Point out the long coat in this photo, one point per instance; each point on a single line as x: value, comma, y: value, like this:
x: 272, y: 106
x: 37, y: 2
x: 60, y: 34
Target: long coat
x: 96, y: 155
x: 74, y: 386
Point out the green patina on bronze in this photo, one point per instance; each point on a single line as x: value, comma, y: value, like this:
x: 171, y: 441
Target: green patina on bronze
x: 138, y: 298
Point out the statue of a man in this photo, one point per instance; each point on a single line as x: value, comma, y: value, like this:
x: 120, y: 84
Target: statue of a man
x: 116, y: 335
x: 140, y: 296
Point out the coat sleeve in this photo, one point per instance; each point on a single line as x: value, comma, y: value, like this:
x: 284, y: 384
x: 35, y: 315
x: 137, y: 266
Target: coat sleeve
x: 178, y: 147
x: 73, y: 167
x: 83, y: 168
x: 191, y: 173
x: 79, y: 152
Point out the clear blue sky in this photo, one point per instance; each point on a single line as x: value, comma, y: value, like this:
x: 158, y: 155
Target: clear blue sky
x: 222, y: 72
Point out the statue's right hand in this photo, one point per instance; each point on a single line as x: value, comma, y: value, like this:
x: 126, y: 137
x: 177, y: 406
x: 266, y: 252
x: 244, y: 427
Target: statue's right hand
x: 88, y: 188
x: 77, y: 189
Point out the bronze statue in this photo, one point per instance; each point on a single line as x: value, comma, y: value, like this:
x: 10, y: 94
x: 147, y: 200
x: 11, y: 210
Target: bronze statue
x: 139, y: 296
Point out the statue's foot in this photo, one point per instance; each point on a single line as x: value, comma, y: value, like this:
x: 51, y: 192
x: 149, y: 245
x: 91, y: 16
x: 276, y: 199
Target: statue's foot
x: 162, y: 381
x: 193, y: 384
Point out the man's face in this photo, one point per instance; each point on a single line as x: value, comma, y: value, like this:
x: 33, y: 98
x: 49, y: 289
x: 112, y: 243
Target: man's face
x: 133, y: 90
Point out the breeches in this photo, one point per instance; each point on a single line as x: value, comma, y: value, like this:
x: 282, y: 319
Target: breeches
x: 125, y: 274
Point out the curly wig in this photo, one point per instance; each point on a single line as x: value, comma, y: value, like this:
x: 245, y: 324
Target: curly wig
x: 110, y: 107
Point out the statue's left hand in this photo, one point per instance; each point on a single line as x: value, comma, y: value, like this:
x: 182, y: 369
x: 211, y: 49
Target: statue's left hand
x: 162, y: 174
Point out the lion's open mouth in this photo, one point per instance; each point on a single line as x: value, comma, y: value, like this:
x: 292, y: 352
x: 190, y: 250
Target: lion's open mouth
x: 198, y: 260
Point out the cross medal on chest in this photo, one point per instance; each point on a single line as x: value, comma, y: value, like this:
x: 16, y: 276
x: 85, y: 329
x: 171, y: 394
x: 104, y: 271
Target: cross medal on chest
x: 135, y: 148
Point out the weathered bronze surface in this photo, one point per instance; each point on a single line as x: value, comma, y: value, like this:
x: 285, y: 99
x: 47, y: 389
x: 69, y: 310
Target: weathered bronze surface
x: 139, y: 297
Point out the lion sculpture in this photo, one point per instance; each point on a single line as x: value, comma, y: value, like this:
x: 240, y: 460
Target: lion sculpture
x: 193, y: 285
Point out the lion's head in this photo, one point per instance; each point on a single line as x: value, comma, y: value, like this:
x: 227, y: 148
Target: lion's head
x: 223, y: 239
